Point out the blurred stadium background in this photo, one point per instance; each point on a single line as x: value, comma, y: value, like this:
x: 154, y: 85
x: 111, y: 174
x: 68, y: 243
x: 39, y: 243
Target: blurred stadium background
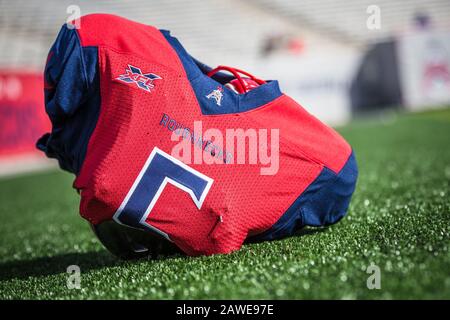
x: 322, y: 51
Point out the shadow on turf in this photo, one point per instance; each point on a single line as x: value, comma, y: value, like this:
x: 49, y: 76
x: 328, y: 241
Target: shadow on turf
x: 45, y: 266
x: 299, y: 233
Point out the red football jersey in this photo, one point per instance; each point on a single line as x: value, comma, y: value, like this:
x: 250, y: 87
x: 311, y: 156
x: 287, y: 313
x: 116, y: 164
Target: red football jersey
x: 158, y: 144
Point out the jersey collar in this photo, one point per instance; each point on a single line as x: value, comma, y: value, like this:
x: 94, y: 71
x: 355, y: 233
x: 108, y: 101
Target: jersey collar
x: 205, y: 87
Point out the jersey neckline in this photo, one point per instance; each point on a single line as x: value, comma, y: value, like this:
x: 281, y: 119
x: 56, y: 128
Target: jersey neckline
x: 205, y: 88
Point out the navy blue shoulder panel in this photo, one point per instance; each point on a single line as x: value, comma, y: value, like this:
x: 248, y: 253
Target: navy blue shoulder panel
x: 72, y: 99
x: 324, y: 202
x: 203, y: 85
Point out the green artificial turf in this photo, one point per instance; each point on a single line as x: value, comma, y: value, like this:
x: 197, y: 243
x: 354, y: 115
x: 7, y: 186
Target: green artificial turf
x: 399, y: 219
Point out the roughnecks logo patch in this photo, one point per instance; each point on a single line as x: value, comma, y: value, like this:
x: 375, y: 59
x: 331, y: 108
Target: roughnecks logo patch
x: 217, y: 95
x: 135, y: 75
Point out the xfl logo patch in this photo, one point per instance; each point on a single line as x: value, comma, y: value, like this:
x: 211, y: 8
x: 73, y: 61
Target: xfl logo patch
x: 135, y: 75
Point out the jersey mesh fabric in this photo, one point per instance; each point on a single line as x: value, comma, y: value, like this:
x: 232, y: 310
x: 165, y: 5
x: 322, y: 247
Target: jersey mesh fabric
x: 241, y: 201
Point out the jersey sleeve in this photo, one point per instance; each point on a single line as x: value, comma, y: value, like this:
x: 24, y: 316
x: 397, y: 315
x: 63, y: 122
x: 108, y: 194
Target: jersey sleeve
x: 70, y: 87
